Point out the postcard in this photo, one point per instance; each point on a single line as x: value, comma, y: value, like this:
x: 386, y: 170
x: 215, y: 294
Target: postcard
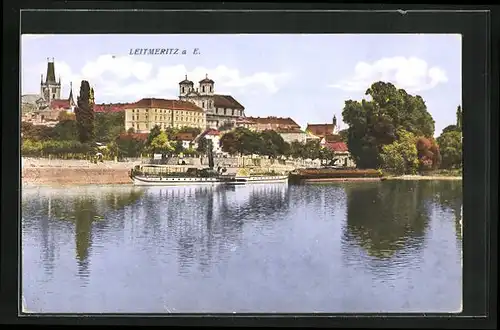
x: 240, y: 173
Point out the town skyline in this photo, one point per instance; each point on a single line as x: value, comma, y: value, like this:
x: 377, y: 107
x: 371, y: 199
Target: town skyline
x: 309, y: 84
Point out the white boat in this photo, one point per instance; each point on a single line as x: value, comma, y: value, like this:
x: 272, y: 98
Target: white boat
x: 258, y: 179
x: 160, y: 175
x: 142, y: 180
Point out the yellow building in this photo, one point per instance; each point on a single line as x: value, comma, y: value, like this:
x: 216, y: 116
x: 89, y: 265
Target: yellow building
x: 143, y: 115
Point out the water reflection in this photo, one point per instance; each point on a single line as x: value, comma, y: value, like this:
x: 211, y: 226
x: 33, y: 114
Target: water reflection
x: 202, y: 221
x: 81, y: 208
x: 335, y: 248
x: 389, y: 220
x: 207, y: 222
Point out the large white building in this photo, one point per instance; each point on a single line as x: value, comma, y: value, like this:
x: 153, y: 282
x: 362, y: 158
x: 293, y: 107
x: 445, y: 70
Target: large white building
x: 220, y: 109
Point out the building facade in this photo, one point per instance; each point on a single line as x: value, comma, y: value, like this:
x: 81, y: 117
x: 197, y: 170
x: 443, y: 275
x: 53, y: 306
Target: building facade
x: 220, y: 109
x: 274, y: 123
x: 292, y: 135
x: 323, y: 130
x: 145, y: 114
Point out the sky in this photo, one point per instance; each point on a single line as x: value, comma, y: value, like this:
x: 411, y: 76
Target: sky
x: 305, y: 77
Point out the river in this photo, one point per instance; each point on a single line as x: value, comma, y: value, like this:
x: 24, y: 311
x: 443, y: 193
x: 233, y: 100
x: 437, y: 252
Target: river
x: 391, y: 246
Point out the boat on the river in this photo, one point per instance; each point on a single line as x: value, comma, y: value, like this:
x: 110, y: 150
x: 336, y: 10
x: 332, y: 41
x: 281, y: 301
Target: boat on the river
x: 243, y: 177
x: 161, y: 175
x: 165, y: 175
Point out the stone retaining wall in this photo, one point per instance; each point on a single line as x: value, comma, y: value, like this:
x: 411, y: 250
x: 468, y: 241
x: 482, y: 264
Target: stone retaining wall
x: 63, y: 176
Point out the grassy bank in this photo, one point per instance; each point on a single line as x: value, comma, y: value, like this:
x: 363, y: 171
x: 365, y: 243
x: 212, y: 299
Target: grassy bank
x: 455, y: 174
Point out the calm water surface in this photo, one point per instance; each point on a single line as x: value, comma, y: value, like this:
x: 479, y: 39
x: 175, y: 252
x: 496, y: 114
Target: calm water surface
x: 347, y: 247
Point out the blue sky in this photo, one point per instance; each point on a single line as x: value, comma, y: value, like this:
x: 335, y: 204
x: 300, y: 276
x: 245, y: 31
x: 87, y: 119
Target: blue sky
x: 306, y: 77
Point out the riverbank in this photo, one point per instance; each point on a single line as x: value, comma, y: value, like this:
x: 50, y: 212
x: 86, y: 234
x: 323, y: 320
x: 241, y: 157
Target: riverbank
x: 75, y: 176
x: 422, y: 177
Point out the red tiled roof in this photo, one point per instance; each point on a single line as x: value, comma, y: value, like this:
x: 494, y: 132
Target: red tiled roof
x: 244, y: 121
x: 112, y: 107
x: 337, y: 146
x: 320, y: 129
x: 164, y: 104
x: 184, y: 137
x: 226, y: 101
x: 212, y: 132
x: 289, y: 130
x: 274, y: 121
x: 60, y: 104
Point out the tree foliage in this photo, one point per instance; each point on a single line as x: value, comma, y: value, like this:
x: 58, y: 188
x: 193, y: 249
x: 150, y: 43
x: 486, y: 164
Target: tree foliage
x: 155, y: 131
x: 66, y: 130
x: 401, y: 156
x: 109, y: 125
x: 160, y: 144
x: 450, y: 144
x: 429, y: 156
x: 375, y: 123
x: 85, y: 113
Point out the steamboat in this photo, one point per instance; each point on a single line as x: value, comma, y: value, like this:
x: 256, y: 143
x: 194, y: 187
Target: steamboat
x: 164, y: 175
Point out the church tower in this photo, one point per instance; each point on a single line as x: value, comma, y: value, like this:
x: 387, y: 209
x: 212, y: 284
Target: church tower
x: 50, y: 88
x: 185, y: 87
x: 207, y: 86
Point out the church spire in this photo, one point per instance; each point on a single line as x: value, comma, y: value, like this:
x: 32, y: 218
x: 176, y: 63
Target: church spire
x: 51, y: 72
x: 71, y: 92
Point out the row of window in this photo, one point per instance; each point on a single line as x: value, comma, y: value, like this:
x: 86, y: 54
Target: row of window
x: 177, y: 118
x: 204, y: 89
x: 166, y: 111
x: 138, y: 126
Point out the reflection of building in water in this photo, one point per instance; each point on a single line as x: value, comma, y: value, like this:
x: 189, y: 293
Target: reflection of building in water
x: 207, y: 222
x: 48, y: 244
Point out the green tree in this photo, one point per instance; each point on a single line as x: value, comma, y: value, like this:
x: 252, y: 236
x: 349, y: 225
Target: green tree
x: 129, y: 146
x: 178, y: 147
x: 450, y: 128
x: 37, y: 132
x: 248, y: 142
x: 109, y: 125
x: 296, y: 149
x: 160, y: 144
x: 374, y: 123
x: 66, y: 130
x: 312, y: 149
x: 343, y: 135
x: 401, y: 156
x: 229, y: 143
x: 155, y: 131
x: 85, y: 113
x: 195, y: 131
x: 450, y: 145
x: 272, y: 144
x: 202, y: 145
x: 171, y: 132
x: 459, y: 118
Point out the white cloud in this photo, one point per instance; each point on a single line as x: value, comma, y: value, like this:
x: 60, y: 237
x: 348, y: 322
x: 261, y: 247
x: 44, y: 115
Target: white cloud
x: 125, y: 78
x: 412, y: 74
